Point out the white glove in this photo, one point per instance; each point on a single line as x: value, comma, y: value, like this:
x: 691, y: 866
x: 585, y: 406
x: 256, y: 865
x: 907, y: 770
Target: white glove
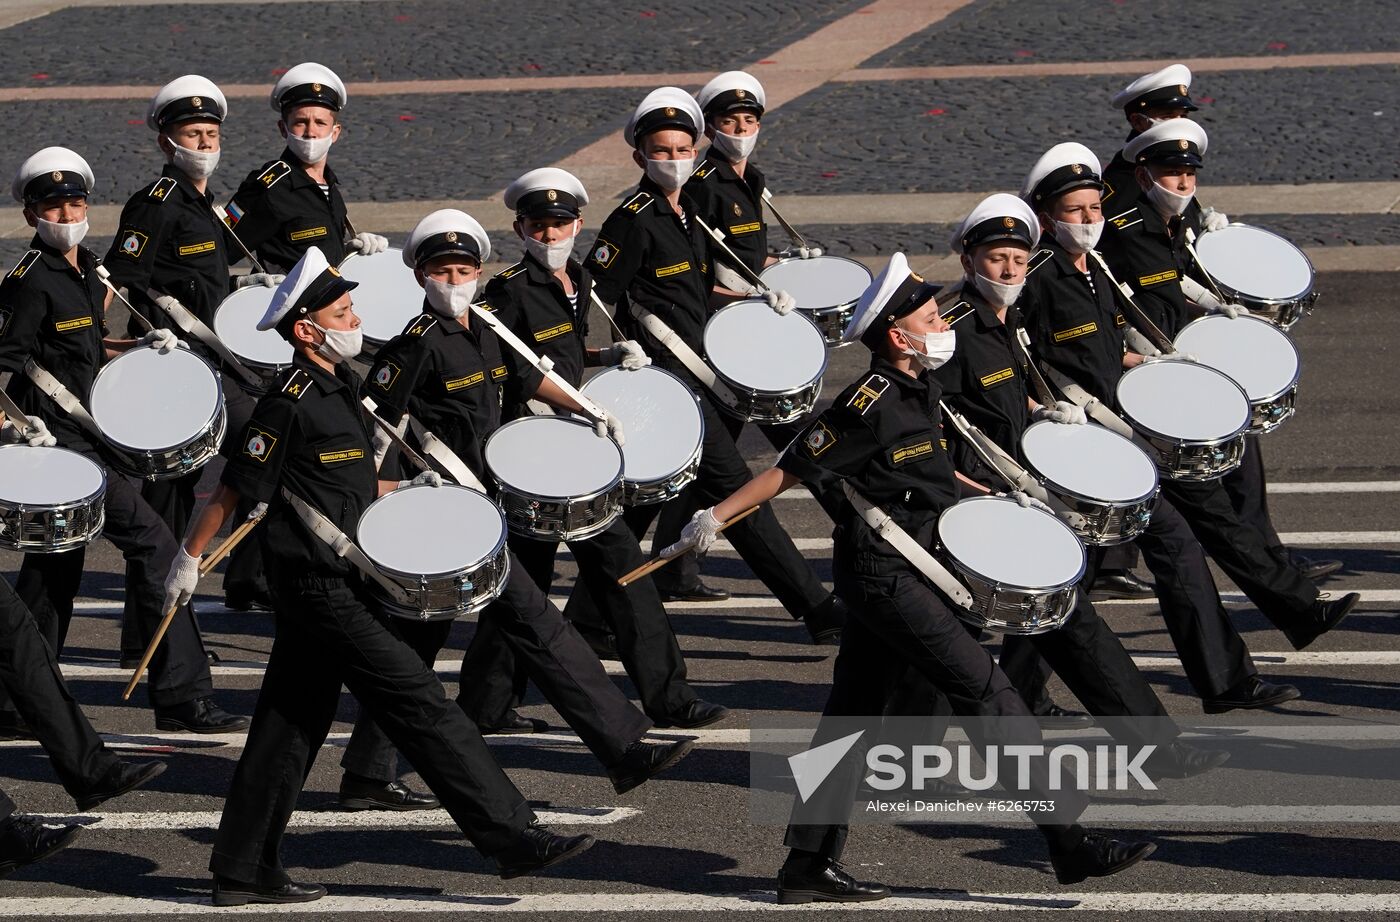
x: 1063, y: 411
x: 160, y: 340
x: 730, y: 278
x: 797, y: 252
x: 781, y: 302
x: 1026, y: 501
x: 180, y: 583
x: 699, y: 533
x: 369, y: 244
x: 37, y: 434
x: 610, y: 425
x: 265, y: 279
x: 628, y: 353
x: 427, y: 478
x: 1170, y: 357
x: 1212, y: 220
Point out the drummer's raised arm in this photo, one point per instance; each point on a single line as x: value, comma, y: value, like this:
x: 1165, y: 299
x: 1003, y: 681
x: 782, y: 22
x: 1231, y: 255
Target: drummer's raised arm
x: 771, y: 483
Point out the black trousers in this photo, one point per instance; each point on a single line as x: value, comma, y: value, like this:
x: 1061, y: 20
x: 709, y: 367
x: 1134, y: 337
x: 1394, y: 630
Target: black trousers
x: 326, y: 637
x: 29, y: 673
x: 48, y: 584
x: 536, y: 640
x: 1247, y: 488
x: 759, y: 539
x: 1120, y: 557
x: 899, y: 624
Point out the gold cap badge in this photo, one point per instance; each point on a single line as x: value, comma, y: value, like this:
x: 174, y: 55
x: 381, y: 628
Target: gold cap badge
x: 451, y: 236
x: 552, y: 195
x: 1008, y: 222
x: 56, y: 176
x: 196, y: 102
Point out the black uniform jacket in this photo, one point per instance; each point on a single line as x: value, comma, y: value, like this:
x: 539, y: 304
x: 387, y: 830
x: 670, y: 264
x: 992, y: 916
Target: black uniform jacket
x: 279, y: 212
x: 310, y: 435
x: 53, y: 313
x: 733, y: 205
x: 883, y: 436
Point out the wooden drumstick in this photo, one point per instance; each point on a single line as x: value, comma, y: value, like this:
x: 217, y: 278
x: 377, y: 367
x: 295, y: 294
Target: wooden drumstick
x: 205, y: 565
x: 652, y: 566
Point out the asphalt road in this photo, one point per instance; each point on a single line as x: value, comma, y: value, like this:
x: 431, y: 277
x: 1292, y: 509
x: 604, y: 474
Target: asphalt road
x: 684, y: 845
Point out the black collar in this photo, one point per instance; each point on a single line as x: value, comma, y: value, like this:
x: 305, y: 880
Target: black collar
x: 186, y: 185
x: 54, y: 258
x: 302, y: 178
x: 325, y: 380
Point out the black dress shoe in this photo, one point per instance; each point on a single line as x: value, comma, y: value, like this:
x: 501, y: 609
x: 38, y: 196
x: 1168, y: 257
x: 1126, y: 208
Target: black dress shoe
x: 824, y: 623
x: 1179, y: 760
x: 538, y: 849
x: 696, y: 593
x: 1120, y: 584
x: 644, y: 760
x: 1097, y: 856
x: 367, y: 794
x: 1326, y: 614
x: 1315, y: 569
x: 248, y: 600
x: 602, y: 643
x: 513, y: 725
x: 697, y: 714
x: 201, y: 715
x: 13, y: 727
x: 119, y: 779
x: 25, y: 841
x: 232, y: 893
x: 826, y: 882
x: 1251, y: 694
x: 1058, y: 718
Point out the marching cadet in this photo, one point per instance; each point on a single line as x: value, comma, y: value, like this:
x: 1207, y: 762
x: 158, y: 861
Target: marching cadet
x: 898, y: 623
x: 169, y: 240
x: 293, y: 203
x: 52, y: 310
x: 652, y: 259
x: 326, y: 634
x: 987, y: 381
x: 545, y: 299
x: 446, y: 371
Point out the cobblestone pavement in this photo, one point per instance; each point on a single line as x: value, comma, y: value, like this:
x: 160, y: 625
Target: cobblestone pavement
x: 1015, y: 31
x: 414, y: 39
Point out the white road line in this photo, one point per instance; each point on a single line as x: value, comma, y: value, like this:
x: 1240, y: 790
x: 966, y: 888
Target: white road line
x: 1301, y: 538
x: 1118, y: 903
x: 1304, y: 486
x: 336, y: 819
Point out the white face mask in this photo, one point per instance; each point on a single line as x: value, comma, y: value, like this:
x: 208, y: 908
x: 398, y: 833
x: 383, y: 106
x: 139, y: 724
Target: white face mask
x: 450, y: 300
x: 553, y: 256
x: 310, y: 151
x: 935, y: 349
x: 196, y: 164
x: 1169, y: 203
x: 996, y: 293
x: 339, y: 345
x: 62, y: 237
x: 670, y: 174
x: 1078, y: 238
x: 734, y: 147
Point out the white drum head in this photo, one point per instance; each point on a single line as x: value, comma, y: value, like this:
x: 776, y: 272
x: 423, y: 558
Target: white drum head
x: 757, y: 349
x: 388, y: 296
x: 998, y: 540
x: 554, y: 457
x: 431, y: 531
x: 151, y: 402
x: 1091, y: 461
x: 1255, y: 262
x: 659, y: 414
x: 236, y: 323
x: 1184, y: 400
x: 1258, y: 355
x: 47, y: 476
x: 819, y: 283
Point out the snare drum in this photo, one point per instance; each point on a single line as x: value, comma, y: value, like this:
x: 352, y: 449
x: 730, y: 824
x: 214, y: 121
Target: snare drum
x: 664, y: 427
x: 1194, y: 416
x: 162, y: 415
x: 50, y: 499
x: 388, y: 297
x: 558, y: 480
x: 1097, y: 474
x: 1259, y: 269
x: 1259, y: 356
x: 1021, y: 564
x: 446, y: 546
x: 825, y: 287
x: 265, y: 352
x: 773, y: 364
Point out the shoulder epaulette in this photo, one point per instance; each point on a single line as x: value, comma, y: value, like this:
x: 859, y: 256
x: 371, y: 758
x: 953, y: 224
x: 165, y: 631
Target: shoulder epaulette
x: 297, y: 384
x: 273, y: 173
x: 868, y: 392
x: 1126, y: 219
x: 703, y: 170
x: 23, y: 265
x: 510, y: 272
x: 957, y: 312
x: 163, y: 187
x: 1038, y: 260
x: 637, y: 202
x: 421, y: 324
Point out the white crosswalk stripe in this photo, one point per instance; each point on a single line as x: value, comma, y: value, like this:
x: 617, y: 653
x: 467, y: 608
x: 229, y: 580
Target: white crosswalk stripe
x: 335, y: 819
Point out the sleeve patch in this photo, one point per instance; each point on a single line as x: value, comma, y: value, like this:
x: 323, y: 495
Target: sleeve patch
x: 133, y: 243
x: 272, y: 174
x: 869, y: 391
x: 1083, y: 329
x: 668, y: 271
x: 1157, y: 278
x: 553, y: 332
x: 498, y: 372
x: 259, y: 443
x: 604, y: 252
x: 197, y: 249
x: 751, y: 228
x: 996, y: 377
x: 162, y: 189
x: 23, y: 265
x: 903, y: 454
x: 818, y: 439
x: 385, y: 375
x: 232, y: 214
x: 307, y: 233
